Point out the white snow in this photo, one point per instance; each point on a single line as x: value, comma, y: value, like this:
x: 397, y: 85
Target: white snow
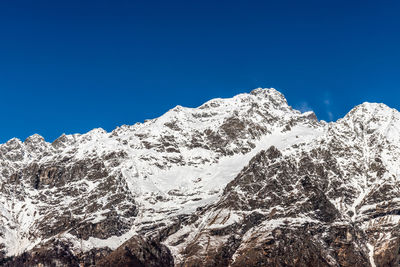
x: 371, y: 254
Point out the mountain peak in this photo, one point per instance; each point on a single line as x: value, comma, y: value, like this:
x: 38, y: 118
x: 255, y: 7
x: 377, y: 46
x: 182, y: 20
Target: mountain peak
x: 372, y: 113
x: 34, y: 139
x: 264, y: 91
x: 270, y: 93
x: 370, y: 109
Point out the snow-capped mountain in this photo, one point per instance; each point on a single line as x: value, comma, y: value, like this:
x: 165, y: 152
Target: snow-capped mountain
x: 244, y: 181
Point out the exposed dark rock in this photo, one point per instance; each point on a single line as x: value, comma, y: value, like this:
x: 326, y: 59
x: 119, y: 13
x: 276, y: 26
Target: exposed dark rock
x: 55, y: 253
x: 138, y: 252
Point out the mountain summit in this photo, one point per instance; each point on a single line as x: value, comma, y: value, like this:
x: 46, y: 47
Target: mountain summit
x: 243, y: 181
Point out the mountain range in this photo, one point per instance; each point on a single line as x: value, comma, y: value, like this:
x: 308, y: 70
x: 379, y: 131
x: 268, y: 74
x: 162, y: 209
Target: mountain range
x: 243, y: 181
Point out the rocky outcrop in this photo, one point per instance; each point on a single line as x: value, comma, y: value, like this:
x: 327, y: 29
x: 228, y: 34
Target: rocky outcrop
x: 134, y: 252
x: 138, y: 252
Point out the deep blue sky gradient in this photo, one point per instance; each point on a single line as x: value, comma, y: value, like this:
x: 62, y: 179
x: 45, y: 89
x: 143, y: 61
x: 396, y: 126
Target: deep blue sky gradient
x: 70, y: 66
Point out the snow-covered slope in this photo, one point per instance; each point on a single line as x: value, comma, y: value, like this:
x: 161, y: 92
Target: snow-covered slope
x: 329, y: 200
x: 212, y: 183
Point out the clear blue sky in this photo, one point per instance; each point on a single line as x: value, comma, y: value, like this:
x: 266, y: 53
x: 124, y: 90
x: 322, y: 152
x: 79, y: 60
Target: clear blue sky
x: 70, y: 66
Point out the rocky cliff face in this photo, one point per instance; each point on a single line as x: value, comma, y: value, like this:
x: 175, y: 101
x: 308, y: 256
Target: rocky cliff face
x: 245, y: 181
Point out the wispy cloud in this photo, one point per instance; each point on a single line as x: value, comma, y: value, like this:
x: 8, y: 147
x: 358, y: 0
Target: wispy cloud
x: 327, y: 103
x: 330, y: 115
x: 303, y: 107
x: 326, y: 106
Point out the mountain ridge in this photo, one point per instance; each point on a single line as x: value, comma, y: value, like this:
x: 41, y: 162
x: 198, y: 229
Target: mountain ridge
x: 258, y: 91
x: 178, y: 107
